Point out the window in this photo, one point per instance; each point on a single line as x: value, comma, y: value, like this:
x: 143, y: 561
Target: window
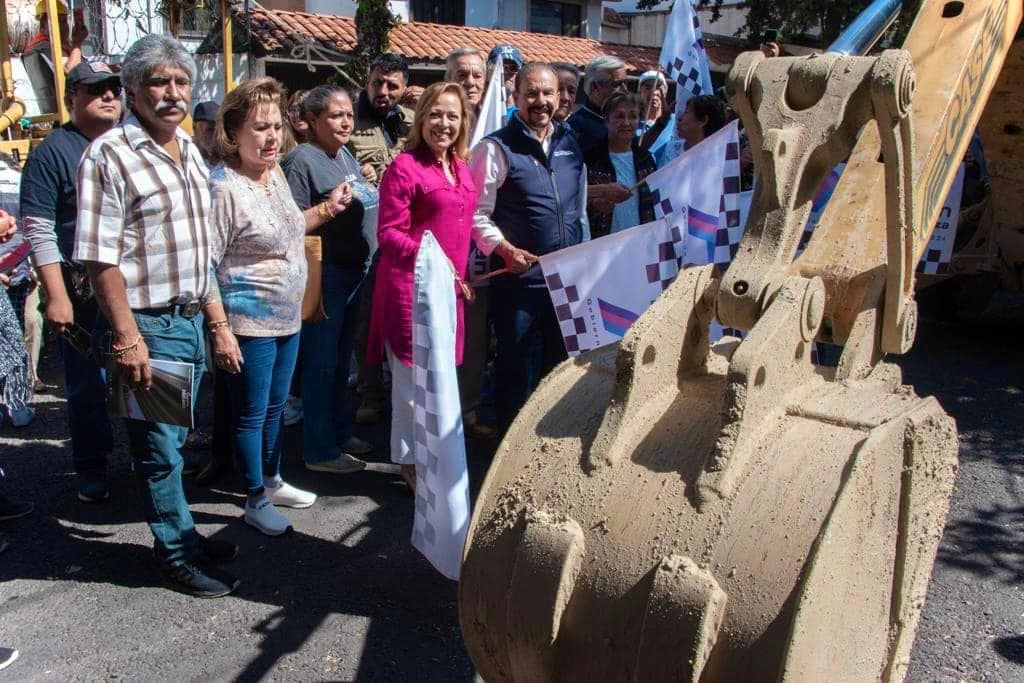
x: 196, y: 18
x: 452, y: 12
x: 558, y: 18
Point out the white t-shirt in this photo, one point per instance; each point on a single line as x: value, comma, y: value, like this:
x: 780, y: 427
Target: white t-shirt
x: 626, y: 214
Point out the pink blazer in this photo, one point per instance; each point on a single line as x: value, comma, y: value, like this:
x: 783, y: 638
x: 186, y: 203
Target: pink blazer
x: 416, y: 196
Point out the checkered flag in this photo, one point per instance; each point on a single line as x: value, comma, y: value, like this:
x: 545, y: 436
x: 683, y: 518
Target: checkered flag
x: 932, y: 263
x: 683, y: 56
x: 663, y: 207
x: 937, y: 256
x: 564, y: 299
x: 441, y: 518
x: 670, y: 259
x: 730, y: 229
x: 479, y: 265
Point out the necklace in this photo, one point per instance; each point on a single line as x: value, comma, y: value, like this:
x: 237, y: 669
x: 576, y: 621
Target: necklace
x: 275, y: 212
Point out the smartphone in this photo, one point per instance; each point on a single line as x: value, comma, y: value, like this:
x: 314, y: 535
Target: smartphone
x: 79, y: 339
x: 771, y: 35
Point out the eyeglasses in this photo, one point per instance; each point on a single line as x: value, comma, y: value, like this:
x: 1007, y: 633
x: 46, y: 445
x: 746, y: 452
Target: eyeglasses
x: 100, y: 89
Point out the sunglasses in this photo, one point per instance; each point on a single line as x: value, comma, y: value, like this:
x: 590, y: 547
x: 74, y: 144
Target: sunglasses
x: 100, y: 89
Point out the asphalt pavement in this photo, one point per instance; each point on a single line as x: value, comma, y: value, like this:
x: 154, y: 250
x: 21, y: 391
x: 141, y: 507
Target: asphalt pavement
x: 345, y: 597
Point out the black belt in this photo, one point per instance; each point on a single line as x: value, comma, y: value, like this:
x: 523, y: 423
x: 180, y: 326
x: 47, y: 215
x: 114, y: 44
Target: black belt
x: 186, y: 310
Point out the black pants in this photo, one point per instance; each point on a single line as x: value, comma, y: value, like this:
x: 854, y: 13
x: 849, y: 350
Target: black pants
x: 529, y: 345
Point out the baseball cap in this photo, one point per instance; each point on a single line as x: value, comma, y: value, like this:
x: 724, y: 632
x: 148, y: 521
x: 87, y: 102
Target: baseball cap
x: 507, y: 52
x: 205, y: 111
x: 88, y: 73
x: 653, y: 75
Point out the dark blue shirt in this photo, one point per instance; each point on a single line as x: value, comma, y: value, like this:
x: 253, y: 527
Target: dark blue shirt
x: 49, y: 184
x: 590, y: 128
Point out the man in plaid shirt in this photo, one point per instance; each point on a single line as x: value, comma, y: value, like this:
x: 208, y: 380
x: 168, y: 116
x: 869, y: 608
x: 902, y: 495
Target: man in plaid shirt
x: 143, y: 204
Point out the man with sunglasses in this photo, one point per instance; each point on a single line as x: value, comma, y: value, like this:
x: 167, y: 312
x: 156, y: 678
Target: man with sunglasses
x: 49, y: 213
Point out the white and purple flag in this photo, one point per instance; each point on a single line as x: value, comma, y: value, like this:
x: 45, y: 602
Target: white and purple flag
x: 599, y: 288
x: 683, y: 55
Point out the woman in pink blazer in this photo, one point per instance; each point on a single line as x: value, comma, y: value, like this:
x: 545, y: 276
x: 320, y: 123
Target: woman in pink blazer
x: 427, y: 187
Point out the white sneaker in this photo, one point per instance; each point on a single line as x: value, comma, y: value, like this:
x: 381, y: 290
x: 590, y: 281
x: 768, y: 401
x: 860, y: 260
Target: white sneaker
x: 357, y: 446
x: 293, y: 411
x: 265, y: 518
x: 343, y: 464
x: 289, y: 496
x: 7, y: 656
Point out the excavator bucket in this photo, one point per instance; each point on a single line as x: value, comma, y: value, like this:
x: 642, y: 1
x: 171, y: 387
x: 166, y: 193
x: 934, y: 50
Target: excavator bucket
x: 667, y: 509
x: 633, y: 530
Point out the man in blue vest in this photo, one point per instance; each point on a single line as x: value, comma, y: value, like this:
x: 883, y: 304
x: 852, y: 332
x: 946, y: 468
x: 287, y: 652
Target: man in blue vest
x: 531, y: 181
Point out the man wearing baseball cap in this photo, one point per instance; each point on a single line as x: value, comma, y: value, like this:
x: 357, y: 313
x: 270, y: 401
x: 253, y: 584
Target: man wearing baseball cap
x: 41, y: 41
x: 204, y: 122
x: 49, y: 199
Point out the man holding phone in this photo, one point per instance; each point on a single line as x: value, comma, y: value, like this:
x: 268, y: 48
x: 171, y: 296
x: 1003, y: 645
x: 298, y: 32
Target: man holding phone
x: 770, y: 43
x: 49, y: 212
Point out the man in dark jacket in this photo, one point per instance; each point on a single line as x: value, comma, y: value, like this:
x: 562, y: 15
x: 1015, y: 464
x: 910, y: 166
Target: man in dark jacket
x: 531, y: 181
x: 604, y: 75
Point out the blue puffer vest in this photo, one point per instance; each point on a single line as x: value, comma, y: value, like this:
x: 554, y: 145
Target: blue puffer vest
x: 537, y: 207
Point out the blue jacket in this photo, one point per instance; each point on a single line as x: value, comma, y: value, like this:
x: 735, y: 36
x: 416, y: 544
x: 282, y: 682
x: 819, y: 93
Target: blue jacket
x: 537, y: 207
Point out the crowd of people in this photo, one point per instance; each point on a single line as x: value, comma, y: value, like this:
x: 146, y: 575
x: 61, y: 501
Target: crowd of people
x: 281, y: 239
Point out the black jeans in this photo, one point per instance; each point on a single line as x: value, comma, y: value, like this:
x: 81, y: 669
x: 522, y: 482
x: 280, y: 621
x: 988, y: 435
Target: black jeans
x: 529, y: 344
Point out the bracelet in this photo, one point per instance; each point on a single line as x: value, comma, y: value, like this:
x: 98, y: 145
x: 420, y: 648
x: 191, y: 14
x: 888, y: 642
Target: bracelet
x: 324, y: 209
x: 213, y: 326
x: 122, y: 351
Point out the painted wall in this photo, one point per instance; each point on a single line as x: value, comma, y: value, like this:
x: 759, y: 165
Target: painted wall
x: 347, y: 8
x: 209, y: 83
x: 648, y: 28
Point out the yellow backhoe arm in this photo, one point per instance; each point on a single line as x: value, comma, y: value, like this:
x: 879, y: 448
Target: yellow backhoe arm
x: 904, y: 121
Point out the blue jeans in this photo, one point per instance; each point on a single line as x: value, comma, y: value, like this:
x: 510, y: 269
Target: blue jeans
x: 155, y: 446
x: 529, y: 344
x: 92, y: 438
x: 258, y: 396
x: 326, y: 355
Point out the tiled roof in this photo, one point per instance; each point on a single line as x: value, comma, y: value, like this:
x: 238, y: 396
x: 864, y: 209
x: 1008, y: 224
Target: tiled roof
x: 274, y: 31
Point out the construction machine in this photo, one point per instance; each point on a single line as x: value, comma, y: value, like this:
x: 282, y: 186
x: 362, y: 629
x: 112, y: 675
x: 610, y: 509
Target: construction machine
x: 666, y: 509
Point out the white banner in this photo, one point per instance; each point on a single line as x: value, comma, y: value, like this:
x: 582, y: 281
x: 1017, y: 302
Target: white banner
x: 599, y: 288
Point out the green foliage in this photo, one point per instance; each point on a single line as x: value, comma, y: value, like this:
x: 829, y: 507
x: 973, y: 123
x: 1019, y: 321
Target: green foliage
x: 374, y: 22
x: 796, y: 19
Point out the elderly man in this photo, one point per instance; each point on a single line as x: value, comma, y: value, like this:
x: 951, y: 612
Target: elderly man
x: 49, y: 211
x: 568, y: 83
x: 143, y: 233
x: 604, y: 75
x: 465, y: 66
x: 521, y: 214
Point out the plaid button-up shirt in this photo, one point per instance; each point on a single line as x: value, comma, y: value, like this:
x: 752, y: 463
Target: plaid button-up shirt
x: 141, y: 211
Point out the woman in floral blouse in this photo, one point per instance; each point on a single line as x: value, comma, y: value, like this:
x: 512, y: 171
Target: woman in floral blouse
x: 259, y: 260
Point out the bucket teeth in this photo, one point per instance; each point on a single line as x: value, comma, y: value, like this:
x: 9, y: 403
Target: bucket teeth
x: 547, y: 563
x: 684, y: 613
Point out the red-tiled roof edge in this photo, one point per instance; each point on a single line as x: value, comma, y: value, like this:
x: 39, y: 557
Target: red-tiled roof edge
x: 425, y: 42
